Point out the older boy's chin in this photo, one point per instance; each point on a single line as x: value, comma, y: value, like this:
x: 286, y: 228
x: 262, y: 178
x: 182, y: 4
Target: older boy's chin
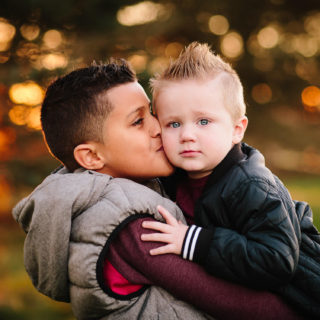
x: 166, y: 170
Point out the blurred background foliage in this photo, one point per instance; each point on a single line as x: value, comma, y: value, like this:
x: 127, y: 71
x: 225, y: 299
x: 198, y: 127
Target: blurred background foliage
x: 273, y: 44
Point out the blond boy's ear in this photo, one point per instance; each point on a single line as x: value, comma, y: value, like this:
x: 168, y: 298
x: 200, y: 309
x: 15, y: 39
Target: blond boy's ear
x: 240, y: 129
x: 88, y: 157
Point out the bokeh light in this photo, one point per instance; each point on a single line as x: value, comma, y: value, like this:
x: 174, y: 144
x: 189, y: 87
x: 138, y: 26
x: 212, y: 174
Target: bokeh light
x: 30, y: 31
x: 312, y: 24
x: 311, y: 98
x: 232, y: 45
x: 306, y: 45
x: 218, y: 25
x: 261, y: 93
x: 19, y: 114
x: 268, y: 37
x: 28, y: 93
x: 53, y: 61
x: 26, y: 116
x: 158, y: 64
x: 52, y: 39
x: 138, y: 61
x: 173, y: 49
x: 7, y: 32
x: 140, y: 13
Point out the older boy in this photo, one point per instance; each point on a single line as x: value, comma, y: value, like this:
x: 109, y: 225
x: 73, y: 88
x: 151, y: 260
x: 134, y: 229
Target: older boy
x: 248, y: 229
x: 82, y: 220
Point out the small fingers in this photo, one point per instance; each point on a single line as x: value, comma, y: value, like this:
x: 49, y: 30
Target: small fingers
x: 170, y: 219
x: 159, y: 237
x: 162, y: 250
x: 155, y: 225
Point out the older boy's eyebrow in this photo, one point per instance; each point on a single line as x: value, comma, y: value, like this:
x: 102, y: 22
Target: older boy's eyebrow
x: 139, y: 109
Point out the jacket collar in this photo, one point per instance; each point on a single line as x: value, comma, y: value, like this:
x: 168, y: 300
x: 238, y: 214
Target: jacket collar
x: 233, y: 157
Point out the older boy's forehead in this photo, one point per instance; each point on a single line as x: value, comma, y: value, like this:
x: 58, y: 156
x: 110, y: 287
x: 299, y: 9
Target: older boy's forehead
x: 129, y: 94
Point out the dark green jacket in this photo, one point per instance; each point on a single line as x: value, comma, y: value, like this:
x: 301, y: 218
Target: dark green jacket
x: 254, y: 233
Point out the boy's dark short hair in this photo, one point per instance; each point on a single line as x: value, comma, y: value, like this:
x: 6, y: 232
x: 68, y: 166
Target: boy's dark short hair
x: 75, y: 107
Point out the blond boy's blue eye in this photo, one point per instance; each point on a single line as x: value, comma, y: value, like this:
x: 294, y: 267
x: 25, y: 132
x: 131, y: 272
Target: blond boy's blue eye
x: 174, y: 124
x: 204, y: 122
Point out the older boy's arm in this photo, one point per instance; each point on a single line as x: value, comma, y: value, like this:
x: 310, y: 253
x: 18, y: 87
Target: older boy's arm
x: 189, y: 282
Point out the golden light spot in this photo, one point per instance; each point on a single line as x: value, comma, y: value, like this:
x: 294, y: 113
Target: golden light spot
x: 232, y: 45
x: 218, y: 25
x: 268, y: 37
x: 52, y: 39
x: 312, y: 24
x: 141, y: 13
x: 28, y: 93
x: 306, y: 45
x: 24, y: 115
x: 54, y: 60
x: 173, y: 49
x: 4, y: 46
x: 138, y: 62
x: 19, y: 114
x: 7, y: 31
x: 158, y: 65
x: 311, y: 97
x: 261, y: 93
x: 33, y: 121
x: 30, y: 31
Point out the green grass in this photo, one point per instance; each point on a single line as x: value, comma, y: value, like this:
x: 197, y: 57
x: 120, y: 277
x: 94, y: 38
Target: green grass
x: 306, y: 189
x: 18, y: 298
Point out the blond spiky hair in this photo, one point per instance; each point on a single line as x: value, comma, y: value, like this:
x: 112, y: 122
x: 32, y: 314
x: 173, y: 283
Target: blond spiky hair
x: 198, y: 62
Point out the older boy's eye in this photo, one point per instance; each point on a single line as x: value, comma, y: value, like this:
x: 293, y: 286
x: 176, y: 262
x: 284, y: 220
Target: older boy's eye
x: 174, y: 124
x: 204, y: 122
x: 138, y: 122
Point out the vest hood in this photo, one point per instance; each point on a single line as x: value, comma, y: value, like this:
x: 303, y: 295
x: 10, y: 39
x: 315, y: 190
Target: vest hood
x: 46, y: 216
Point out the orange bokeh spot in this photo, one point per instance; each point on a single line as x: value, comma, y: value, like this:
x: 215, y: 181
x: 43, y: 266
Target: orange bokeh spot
x: 311, y: 96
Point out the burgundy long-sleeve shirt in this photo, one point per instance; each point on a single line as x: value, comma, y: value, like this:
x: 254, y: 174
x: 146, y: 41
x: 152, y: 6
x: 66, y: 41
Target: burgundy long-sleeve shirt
x: 130, y: 257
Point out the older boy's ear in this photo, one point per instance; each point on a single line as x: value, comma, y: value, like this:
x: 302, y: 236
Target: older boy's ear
x: 240, y: 129
x: 87, y: 156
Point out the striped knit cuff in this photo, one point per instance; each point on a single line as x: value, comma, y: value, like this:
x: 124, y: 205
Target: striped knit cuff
x: 189, y: 242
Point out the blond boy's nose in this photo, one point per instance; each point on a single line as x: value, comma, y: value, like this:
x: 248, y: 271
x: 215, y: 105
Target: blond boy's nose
x: 186, y: 134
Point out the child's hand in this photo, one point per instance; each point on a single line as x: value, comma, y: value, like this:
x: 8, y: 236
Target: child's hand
x: 172, y: 233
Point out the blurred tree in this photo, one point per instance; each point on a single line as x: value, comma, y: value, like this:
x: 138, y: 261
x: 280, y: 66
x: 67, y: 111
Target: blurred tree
x: 275, y: 47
